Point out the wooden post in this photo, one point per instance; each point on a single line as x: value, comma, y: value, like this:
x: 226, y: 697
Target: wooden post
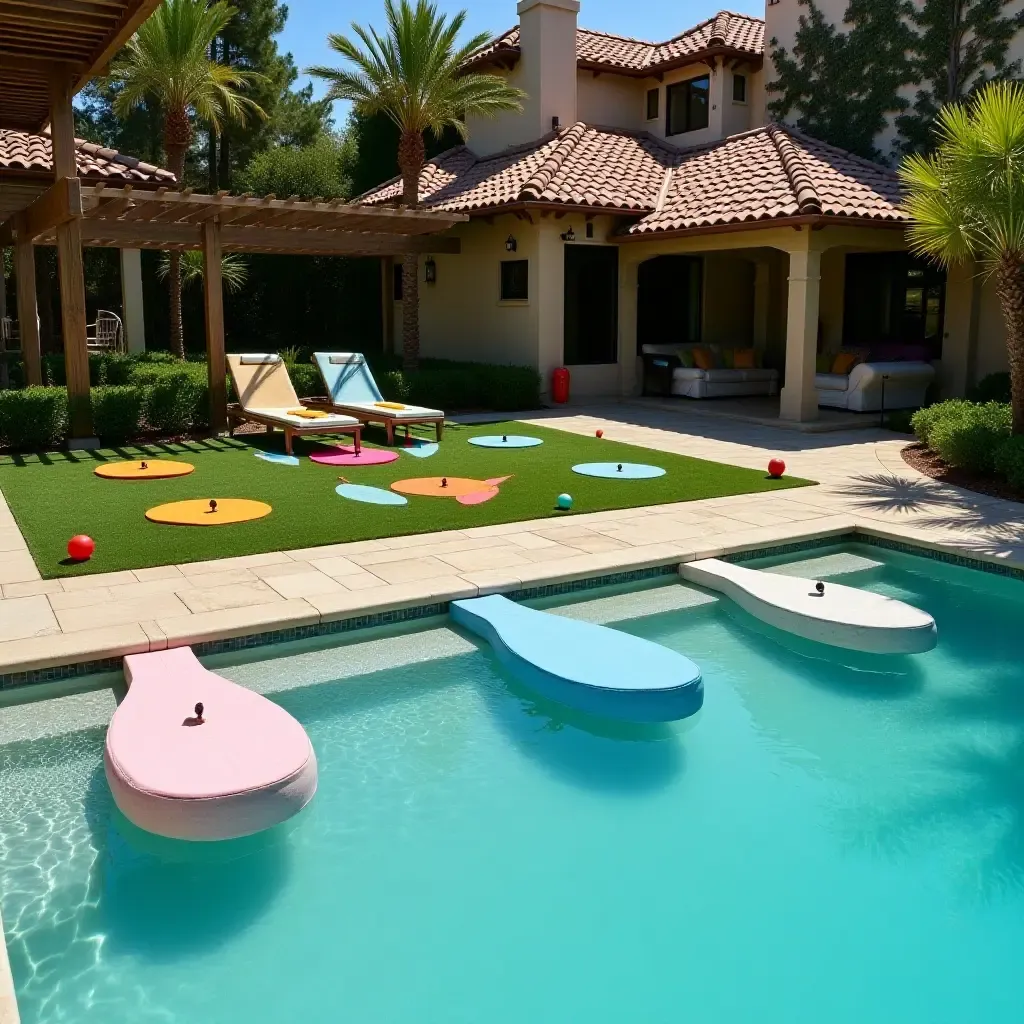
x: 69, y: 259
x: 28, y: 310
x: 387, y: 302
x: 213, y: 305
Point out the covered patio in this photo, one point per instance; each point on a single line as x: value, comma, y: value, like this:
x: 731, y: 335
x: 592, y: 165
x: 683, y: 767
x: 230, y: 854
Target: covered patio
x: 48, y: 53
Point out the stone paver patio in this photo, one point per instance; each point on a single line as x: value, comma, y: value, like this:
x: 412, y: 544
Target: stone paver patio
x: 864, y: 485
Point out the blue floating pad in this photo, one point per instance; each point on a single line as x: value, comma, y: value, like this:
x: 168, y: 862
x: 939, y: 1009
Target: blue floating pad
x: 611, y: 471
x: 421, y: 449
x: 370, y: 495
x: 282, y: 460
x: 592, y: 668
x: 505, y: 441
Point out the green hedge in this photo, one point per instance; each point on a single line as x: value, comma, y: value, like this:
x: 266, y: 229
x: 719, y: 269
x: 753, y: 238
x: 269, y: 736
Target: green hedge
x: 34, y: 417
x: 117, y: 412
x: 457, y: 386
x: 1010, y: 460
x: 966, y: 434
x: 993, y: 388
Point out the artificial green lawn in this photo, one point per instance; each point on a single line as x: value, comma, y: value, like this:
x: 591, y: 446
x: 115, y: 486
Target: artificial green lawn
x: 56, y: 496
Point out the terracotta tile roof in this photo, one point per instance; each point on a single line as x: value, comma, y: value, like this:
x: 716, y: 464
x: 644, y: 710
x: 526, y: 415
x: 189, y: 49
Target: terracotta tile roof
x: 20, y: 151
x: 764, y: 174
x: 739, y: 33
x: 768, y: 173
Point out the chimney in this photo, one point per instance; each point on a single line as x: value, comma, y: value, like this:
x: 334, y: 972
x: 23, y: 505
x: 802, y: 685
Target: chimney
x: 547, y: 42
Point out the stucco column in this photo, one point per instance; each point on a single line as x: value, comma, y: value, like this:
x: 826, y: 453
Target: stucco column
x: 131, y: 300
x: 547, y: 296
x: 628, y: 282
x: 799, y: 401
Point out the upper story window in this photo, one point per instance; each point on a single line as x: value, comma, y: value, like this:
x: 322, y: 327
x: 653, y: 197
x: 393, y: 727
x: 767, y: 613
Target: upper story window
x: 652, y: 104
x: 739, y: 88
x: 688, y: 105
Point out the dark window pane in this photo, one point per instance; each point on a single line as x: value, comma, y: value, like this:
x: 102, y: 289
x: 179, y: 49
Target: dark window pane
x: 515, y: 279
x: 398, y: 282
x: 739, y: 88
x: 652, y: 104
x: 700, y: 91
x: 688, y: 105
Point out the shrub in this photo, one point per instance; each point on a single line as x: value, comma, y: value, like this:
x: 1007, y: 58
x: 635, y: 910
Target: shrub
x: 924, y: 420
x: 454, y: 386
x: 117, y: 412
x: 177, y: 397
x: 35, y: 417
x: 969, y: 436
x: 306, y: 379
x: 993, y: 388
x: 1010, y: 460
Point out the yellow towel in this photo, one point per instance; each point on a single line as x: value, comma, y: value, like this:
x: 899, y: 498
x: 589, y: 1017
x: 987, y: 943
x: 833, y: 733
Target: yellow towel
x: 389, y: 405
x: 308, y: 414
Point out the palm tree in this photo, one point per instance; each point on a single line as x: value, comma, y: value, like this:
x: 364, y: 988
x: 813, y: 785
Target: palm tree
x: 966, y: 202
x: 234, y: 271
x: 413, y: 76
x: 168, y: 61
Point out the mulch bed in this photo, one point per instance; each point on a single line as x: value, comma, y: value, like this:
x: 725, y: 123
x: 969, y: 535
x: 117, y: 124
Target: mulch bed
x: 924, y: 460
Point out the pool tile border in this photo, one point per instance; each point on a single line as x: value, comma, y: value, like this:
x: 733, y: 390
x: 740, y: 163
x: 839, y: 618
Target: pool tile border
x: 814, y: 540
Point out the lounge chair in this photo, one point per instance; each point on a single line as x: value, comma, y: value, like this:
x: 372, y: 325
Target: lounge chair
x: 353, y: 390
x: 266, y: 395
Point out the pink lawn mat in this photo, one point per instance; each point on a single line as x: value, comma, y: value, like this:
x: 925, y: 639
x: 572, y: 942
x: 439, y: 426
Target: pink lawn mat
x: 345, y: 455
x: 243, y: 765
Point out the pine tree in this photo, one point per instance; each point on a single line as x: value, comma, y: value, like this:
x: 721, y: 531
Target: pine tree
x: 842, y: 85
x: 960, y: 45
x: 293, y: 116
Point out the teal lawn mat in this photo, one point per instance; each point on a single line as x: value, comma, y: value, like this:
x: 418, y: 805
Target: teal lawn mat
x: 57, y: 495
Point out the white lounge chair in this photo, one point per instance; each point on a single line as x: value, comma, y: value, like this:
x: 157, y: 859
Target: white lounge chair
x: 353, y: 391
x: 266, y: 395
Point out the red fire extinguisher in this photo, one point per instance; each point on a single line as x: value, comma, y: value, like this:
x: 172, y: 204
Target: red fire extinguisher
x: 560, y: 385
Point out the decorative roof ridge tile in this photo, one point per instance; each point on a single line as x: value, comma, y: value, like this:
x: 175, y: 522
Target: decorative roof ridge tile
x: 534, y: 187
x: 666, y: 184
x: 720, y: 29
x: 800, y: 179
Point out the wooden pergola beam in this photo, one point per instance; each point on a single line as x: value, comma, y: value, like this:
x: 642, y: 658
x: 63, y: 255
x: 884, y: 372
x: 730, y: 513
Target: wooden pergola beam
x: 138, y: 234
x: 213, y: 310
x: 61, y: 202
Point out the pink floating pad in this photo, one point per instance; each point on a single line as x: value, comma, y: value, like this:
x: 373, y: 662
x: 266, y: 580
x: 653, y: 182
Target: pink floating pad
x: 345, y: 455
x: 248, y: 765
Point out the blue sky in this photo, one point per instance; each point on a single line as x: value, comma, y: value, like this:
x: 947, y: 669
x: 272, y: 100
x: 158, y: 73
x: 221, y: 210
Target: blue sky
x: 309, y: 21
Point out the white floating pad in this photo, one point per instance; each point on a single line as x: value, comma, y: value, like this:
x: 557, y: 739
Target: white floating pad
x: 592, y: 668
x: 619, y: 470
x: 248, y: 765
x: 420, y: 449
x: 370, y: 495
x: 281, y: 460
x: 505, y: 441
x: 842, y: 617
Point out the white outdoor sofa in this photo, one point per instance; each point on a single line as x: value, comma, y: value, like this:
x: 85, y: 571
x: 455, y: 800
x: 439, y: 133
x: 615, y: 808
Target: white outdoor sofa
x: 861, y: 390
x: 664, y: 374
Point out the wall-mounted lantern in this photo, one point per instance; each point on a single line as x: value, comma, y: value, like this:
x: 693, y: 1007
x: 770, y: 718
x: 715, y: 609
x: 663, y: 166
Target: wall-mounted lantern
x: 568, y: 236
x: 430, y: 271
x: 511, y: 244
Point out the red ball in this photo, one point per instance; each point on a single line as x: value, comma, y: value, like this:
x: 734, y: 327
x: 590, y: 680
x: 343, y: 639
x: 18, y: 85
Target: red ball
x: 600, y: 433
x: 776, y: 468
x: 80, y: 548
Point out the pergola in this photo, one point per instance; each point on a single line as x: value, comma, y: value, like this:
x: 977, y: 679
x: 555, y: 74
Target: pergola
x: 49, y: 49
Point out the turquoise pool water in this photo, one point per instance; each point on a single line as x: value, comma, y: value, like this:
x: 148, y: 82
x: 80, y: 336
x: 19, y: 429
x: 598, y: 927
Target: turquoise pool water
x: 834, y: 839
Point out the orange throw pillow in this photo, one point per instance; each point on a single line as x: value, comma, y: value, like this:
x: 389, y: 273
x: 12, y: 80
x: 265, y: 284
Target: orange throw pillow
x: 744, y: 359
x: 844, y: 362
x: 703, y: 359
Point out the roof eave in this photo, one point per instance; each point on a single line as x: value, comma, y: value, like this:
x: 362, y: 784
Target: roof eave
x: 815, y: 221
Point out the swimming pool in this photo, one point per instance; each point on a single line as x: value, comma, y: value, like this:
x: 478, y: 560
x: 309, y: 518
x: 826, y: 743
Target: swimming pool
x: 833, y: 838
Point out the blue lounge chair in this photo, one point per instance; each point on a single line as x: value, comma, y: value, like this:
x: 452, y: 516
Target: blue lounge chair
x: 354, y: 392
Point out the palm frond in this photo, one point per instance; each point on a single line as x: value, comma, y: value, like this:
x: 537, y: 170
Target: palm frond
x: 234, y: 271
x: 966, y: 201
x: 412, y: 71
